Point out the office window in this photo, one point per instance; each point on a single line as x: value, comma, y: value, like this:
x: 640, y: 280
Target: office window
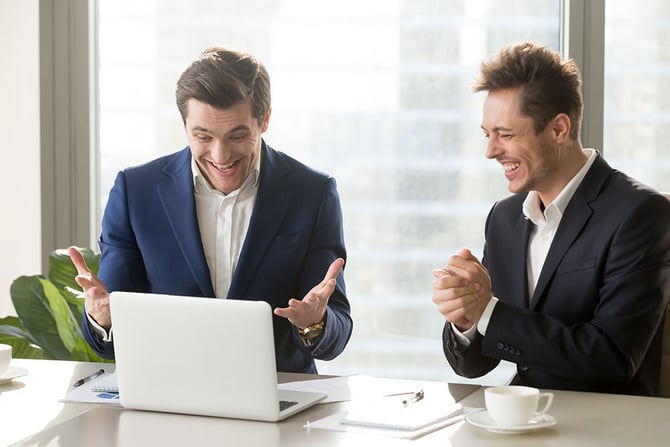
x: 637, y: 98
x: 376, y: 93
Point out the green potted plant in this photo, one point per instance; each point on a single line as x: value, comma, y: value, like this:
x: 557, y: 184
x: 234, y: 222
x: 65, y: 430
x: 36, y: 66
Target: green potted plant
x: 49, y: 313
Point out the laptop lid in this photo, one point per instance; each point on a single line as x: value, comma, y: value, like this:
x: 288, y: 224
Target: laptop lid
x: 204, y: 356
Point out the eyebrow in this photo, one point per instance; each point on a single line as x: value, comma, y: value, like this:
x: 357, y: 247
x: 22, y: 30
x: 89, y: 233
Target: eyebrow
x: 496, y: 129
x: 233, y: 130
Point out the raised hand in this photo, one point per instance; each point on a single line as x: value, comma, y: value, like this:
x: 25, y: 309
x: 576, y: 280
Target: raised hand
x: 95, y: 292
x: 312, y: 308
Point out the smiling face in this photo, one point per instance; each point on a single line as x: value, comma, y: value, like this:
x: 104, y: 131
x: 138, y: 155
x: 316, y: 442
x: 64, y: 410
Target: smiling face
x: 531, y: 161
x: 225, y: 143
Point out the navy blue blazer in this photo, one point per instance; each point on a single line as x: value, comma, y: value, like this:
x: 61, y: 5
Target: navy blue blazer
x: 594, y: 322
x: 150, y: 242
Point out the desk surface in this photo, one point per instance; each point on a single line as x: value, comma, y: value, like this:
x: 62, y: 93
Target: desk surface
x: 29, y: 408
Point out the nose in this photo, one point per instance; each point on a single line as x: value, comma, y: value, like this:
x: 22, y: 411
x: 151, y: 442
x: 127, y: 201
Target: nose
x: 218, y: 152
x: 493, y: 147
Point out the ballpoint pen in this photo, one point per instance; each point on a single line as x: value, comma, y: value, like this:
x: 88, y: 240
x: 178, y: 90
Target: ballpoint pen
x: 88, y: 378
x: 415, y: 398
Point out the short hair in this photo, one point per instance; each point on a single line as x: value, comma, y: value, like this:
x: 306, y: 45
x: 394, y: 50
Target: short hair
x: 548, y: 85
x: 222, y: 77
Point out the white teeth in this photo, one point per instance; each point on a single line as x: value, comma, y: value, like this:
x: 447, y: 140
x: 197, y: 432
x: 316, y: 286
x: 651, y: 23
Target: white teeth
x: 223, y: 167
x: 510, y: 166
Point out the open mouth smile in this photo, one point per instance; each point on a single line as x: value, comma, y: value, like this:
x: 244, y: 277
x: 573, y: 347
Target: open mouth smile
x: 508, y: 167
x: 225, y: 167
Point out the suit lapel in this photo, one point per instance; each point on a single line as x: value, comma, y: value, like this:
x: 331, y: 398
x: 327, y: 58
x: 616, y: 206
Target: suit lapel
x: 272, y: 201
x: 568, y: 230
x: 178, y: 200
x: 577, y: 213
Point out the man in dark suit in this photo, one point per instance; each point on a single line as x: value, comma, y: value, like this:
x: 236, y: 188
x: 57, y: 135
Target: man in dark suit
x: 575, y: 274
x: 227, y: 217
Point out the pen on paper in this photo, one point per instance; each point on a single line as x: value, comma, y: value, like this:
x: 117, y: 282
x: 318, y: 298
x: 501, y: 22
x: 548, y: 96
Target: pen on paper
x: 88, y: 378
x: 416, y: 397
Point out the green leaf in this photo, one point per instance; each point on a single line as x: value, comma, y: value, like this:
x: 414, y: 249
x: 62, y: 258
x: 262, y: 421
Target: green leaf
x: 34, y: 311
x: 21, y: 349
x: 67, y: 326
x: 10, y: 326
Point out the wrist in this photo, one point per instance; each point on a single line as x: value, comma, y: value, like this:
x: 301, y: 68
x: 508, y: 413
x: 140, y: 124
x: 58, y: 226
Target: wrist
x: 309, y: 335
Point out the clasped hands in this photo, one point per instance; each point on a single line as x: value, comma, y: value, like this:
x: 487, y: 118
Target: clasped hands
x: 462, y: 290
x: 301, y: 313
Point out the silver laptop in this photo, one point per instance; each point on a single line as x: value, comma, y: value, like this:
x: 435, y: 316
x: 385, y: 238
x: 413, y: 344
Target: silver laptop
x: 203, y: 356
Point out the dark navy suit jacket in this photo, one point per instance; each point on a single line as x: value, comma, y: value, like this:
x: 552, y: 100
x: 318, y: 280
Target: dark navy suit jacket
x: 594, y: 322
x: 150, y: 242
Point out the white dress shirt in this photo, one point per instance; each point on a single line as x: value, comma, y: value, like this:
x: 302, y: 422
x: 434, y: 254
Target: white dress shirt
x: 223, y: 220
x: 541, y: 236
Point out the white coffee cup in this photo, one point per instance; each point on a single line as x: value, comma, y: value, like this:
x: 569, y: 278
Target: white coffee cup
x: 5, y: 357
x: 513, y: 406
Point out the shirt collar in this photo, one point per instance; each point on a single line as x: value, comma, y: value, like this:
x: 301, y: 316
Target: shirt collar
x: 201, y: 184
x: 531, y: 206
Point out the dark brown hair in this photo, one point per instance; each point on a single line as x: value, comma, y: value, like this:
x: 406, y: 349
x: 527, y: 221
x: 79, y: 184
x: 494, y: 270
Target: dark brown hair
x: 221, y: 77
x: 548, y: 85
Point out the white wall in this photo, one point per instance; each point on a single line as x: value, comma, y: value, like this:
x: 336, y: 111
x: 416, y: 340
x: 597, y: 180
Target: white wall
x: 20, y: 227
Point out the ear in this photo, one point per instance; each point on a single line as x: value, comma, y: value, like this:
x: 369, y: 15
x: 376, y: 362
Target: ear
x: 561, y: 128
x: 266, y: 121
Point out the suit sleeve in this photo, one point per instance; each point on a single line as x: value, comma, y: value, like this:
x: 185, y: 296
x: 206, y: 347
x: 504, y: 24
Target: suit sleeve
x: 326, y: 245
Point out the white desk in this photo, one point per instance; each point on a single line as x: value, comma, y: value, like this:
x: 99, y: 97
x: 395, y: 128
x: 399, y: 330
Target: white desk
x: 30, y: 407
x: 30, y: 403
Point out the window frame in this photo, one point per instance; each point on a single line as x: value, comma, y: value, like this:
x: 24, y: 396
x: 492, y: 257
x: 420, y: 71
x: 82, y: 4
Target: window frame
x: 69, y: 121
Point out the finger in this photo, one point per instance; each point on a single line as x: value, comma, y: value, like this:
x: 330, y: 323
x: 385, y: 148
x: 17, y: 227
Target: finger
x: 78, y: 260
x: 447, y: 282
x: 322, y: 292
x: 444, y: 271
x: 456, y: 315
x: 462, y: 307
x: 283, y: 312
x: 84, y: 281
x: 466, y: 254
x: 454, y: 299
x: 334, y: 269
x: 460, y: 267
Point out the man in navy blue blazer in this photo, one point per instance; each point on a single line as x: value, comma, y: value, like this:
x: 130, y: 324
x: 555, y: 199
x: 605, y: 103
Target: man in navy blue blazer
x: 227, y: 217
x: 575, y: 274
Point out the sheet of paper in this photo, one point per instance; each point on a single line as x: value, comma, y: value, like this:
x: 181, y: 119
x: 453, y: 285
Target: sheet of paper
x: 392, y: 413
x: 357, y: 387
x: 87, y: 393
x: 334, y: 422
x: 367, y: 388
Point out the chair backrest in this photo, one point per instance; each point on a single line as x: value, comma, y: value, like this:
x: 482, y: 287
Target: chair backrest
x: 665, y: 350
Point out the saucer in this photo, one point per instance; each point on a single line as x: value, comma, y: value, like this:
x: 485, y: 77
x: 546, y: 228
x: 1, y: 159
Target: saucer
x: 12, y: 373
x: 483, y: 420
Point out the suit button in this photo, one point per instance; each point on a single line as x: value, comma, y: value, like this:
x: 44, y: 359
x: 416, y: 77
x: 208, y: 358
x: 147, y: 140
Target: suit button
x: 501, y: 345
x: 523, y: 368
